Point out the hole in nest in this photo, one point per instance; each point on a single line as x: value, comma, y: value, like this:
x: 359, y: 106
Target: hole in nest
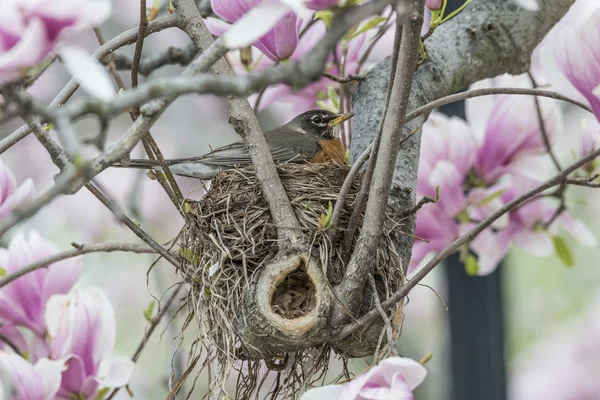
x: 295, y: 296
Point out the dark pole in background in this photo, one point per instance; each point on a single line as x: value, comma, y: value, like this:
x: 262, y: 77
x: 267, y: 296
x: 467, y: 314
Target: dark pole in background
x: 477, y: 364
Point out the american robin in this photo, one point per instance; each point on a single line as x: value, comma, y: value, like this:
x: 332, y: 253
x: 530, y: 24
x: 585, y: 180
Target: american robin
x: 310, y: 137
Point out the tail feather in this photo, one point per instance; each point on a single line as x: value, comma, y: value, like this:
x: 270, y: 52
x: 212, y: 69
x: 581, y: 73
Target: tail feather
x: 195, y: 169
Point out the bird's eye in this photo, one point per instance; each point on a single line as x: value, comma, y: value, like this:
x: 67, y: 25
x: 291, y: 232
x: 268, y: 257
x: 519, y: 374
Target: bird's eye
x: 317, y: 120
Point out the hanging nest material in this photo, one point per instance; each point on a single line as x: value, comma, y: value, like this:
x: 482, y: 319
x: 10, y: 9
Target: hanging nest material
x: 229, y: 236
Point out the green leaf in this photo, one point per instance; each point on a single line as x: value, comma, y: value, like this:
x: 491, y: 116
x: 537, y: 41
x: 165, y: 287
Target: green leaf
x: 373, y: 23
x: 453, y: 13
x: 326, y: 16
x: 148, y: 312
x: 190, y: 255
x: 426, y: 358
x: 332, y: 94
x: 471, y: 265
x: 490, y: 198
x: 102, y: 393
x: 325, y: 106
x: 563, y: 251
x: 3, y: 272
x: 326, y: 220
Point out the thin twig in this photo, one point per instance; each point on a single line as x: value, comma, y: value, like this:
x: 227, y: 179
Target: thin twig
x: 586, y: 182
x: 30, y: 209
x: 413, y: 210
x: 125, y: 38
x: 132, y: 225
x: 110, y: 59
x: 150, y: 329
x: 543, y: 130
x: 343, y: 79
x: 461, y: 241
x: 147, y: 65
x: 79, y: 250
x: 386, y: 321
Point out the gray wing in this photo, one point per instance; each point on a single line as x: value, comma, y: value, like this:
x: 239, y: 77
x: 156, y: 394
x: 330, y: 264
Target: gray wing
x: 296, y: 148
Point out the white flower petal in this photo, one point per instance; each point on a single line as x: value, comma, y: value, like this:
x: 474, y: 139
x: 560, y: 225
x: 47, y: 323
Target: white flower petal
x: 51, y: 371
x: 254, y: 24
x: 118, y: 374
x: 92, y: 77
x: 324, y: 392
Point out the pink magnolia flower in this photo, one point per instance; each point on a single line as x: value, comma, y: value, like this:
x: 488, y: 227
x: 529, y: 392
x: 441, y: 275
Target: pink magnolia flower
x: 12, y: 196
x: 272, y: 26
x: 306, y: 98
x: 507, y: 129
x: 31, y: 28
x: 436, y: 229
x: 524, y: 230
x: 448, y: 152
x: 393, y: 378
x: 11, y: 332
x: 434, y: 4
x: 26, y: 381
x: 571, y: 62
x: 321, y: 4
x: 23, y: 301
x: 577, y: 14
x: 82, y: 332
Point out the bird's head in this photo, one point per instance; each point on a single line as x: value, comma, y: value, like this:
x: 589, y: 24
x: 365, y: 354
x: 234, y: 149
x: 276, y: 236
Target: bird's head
x: 320, y: 123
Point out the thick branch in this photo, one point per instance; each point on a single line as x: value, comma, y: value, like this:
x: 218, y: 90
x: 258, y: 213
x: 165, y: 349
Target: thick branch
x: 488, y: 38
x: 246, y: 125
x: 349, y: 290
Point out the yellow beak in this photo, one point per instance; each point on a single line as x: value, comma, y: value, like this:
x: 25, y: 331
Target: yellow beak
x: 339, y: 119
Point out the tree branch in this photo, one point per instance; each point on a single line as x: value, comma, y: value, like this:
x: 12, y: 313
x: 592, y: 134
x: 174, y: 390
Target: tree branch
x: 487, y: 39
x: 172, y: 56
x: 78, y: 251
x: 559, y: 179
x: 349, y: 290
x: 125, y: 38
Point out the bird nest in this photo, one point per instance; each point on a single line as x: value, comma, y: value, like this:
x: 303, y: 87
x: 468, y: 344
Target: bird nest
x: 230, y: 235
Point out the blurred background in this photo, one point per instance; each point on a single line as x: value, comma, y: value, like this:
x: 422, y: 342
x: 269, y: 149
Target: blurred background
x: 529, y: 331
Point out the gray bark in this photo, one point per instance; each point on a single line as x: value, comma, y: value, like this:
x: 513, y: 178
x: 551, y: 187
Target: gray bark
x: 489, y: 38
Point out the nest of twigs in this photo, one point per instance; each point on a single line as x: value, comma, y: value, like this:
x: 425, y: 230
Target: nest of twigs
x: 229, y: 236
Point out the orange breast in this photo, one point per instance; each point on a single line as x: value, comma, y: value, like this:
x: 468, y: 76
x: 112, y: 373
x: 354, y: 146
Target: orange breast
x: 332, y: 151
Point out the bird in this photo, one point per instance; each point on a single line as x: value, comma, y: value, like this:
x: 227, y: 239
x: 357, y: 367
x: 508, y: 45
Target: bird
x: 312, y: 137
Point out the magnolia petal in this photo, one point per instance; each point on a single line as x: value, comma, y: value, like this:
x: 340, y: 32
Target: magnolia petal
x: 490, y: 247
x: 23, y: 194
x: 254, y: 24
x: 216, y: 27
x: 553, y: 71
x: 31, y: 49
x: 118, y: 374
x: 51, y: 372
x: 87, y: 72
x: 577, y: 229
x: 324, y: 392
x: 412, y: 371
x: 537, y: 244
x: 297, y: 6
